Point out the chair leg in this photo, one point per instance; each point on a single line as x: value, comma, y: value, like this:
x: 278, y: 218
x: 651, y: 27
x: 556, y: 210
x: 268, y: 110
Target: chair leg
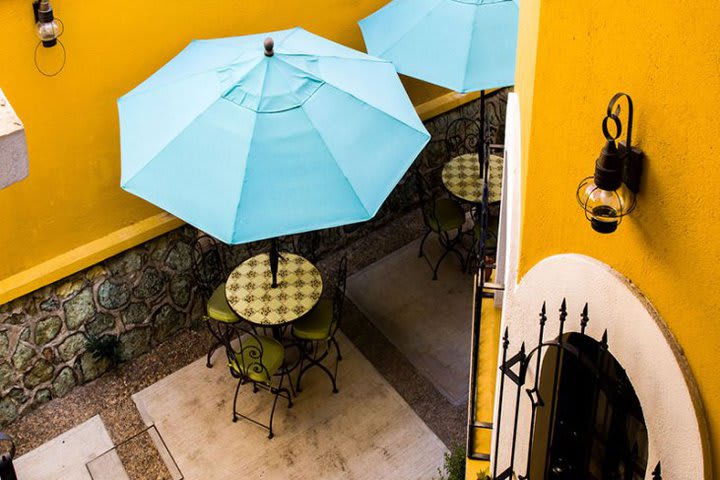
x: 220, y: 334
x: 237, y: 390
x: 337, y: 349
x: 338, y: 357
x: 292, y: 388
x: 272, y: 411
x: 303, y: 354
x: 437, y: 265
x: 422, y: 243
x: 316, y: 361
x: 215, y: 346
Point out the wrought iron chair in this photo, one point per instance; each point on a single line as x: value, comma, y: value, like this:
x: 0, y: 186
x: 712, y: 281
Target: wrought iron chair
x: 441, y: 216
x: 256, y: 360
x: 316, y: 330
x: 210, y: 270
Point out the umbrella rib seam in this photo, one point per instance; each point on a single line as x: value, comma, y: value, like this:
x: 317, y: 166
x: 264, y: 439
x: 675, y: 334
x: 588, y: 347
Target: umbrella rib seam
x: 296, y: 53
x: 469, y: 50
x: 160, y: 152
x: 370, y: 58
x: 233, y: 230
x: 332, y: 155
x: 132, y: 93
x: 389, y: 47
x: 247, y: 161
x: 423, y: 131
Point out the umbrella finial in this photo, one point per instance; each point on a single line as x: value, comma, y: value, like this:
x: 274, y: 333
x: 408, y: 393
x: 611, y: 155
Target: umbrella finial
x: 269, y: 46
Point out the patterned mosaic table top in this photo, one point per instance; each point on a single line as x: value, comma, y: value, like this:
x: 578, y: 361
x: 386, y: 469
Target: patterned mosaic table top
x: 250, y: 294
x: 461, y: 177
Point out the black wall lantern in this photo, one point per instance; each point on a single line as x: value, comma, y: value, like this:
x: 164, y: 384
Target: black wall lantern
x: 48, y: 29
x: 609, y: 195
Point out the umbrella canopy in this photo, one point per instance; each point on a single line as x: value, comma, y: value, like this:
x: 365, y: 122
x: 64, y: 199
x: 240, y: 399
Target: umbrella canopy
x: 463, y: 45
x: 247, y: 144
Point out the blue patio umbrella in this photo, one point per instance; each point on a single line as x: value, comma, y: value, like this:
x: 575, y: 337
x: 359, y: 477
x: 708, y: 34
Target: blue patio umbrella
x: 463, y: 45
x: 247, y: 142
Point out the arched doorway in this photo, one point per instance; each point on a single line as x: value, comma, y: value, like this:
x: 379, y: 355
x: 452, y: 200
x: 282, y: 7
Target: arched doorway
x: 591, y: 425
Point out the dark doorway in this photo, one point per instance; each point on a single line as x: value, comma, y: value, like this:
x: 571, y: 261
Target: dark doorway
x: 597, y: 430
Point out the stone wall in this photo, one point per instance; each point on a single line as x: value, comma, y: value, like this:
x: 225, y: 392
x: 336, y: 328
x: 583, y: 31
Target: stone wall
x: 146, y: 294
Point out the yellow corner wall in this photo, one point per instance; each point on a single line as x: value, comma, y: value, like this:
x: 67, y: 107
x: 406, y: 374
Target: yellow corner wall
x: 666, y: 55
x: 72, y: 197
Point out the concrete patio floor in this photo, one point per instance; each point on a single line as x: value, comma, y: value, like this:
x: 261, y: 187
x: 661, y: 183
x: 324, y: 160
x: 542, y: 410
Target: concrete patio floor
x: 366, y: 431
x: 428, y: 320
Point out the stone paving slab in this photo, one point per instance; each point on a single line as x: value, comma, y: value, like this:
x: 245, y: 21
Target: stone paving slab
x: 82, y: 453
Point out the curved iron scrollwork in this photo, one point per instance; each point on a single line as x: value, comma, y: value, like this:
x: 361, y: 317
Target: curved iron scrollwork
x: 613, y: 113
x: 462, y: 137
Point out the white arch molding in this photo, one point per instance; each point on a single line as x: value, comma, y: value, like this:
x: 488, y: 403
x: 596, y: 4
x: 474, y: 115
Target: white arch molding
x: 638, y: 338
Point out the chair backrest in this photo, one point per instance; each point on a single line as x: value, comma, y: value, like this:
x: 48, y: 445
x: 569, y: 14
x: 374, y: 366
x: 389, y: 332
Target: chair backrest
x: 462, y: 136
x: 427, y: 199
x: 244, y: 351
x: 209, y: 265
x: 339, y: 295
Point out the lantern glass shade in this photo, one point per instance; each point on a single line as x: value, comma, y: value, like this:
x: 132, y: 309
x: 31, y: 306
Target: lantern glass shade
x: 604, y: 208
x: 47, y: 31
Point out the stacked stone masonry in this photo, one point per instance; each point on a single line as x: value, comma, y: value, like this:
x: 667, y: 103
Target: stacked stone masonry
x: 148, y: 293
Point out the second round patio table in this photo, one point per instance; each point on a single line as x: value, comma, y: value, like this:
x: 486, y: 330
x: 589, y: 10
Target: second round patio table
x: 461, y: 176
x: 250, y: 294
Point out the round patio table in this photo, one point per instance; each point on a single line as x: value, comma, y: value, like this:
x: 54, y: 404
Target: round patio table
x: 461, y: 177
x: 250, y: 294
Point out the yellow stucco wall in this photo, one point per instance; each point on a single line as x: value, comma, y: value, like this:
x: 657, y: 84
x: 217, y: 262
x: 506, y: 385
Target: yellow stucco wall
x: 72, y: 197
x: 666, y: 55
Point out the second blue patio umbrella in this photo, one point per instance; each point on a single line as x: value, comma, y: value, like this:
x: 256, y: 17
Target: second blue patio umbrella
x: 247, y: 142
x: 463, y: 45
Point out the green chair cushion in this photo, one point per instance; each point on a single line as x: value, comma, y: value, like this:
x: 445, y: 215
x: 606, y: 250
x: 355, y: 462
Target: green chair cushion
x: 218, y: 307
x: 317, y: 324
x: 273, y: 355
x: 449, y: 215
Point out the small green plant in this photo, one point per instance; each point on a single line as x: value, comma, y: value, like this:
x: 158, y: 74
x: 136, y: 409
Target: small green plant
x: 105, y: 347
x: 484, y: 475
x: 454, y: 464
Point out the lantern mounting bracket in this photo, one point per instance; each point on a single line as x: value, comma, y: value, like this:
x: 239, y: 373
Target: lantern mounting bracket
x: 632, y: 158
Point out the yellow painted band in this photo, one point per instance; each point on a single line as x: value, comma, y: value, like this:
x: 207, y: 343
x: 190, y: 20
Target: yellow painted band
x: 86, y: 255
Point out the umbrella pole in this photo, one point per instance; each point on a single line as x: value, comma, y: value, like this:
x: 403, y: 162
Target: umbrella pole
x: 274, y: 259
x: 482, y: 151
